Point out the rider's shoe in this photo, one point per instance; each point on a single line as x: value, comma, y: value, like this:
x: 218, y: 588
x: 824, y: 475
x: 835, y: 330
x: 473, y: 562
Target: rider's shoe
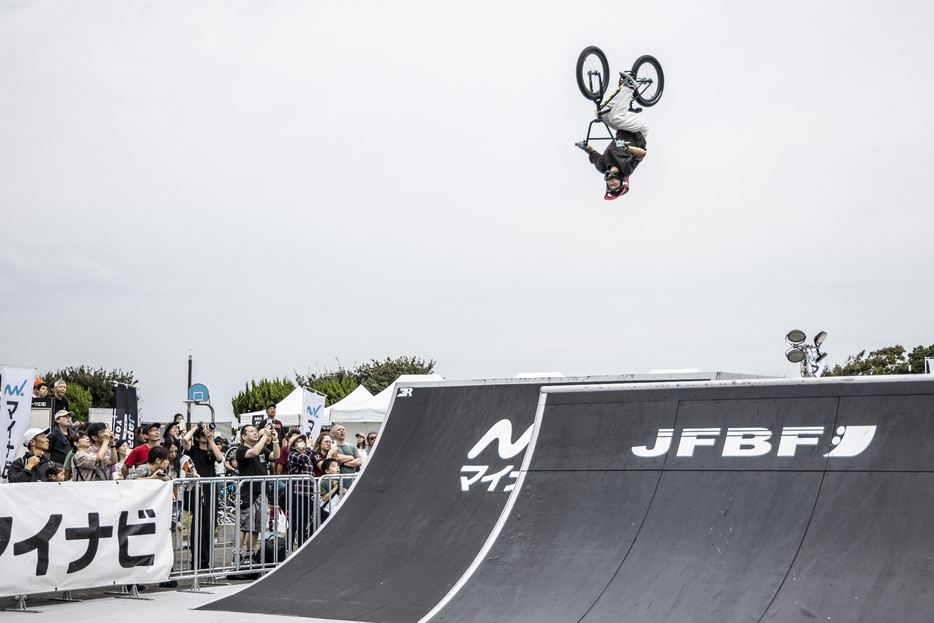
x: 627, y: 79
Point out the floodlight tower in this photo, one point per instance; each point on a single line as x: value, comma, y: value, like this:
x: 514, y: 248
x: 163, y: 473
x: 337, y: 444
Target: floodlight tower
x: 808, y: 355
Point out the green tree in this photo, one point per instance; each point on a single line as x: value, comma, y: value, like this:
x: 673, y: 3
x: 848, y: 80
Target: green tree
x: 378, y: 375
x: 79, y: 400
x: 888, y: 360
x: 256, y: 395
x: 335, y: 384
x: 99, y: 382
x: 917, y: 356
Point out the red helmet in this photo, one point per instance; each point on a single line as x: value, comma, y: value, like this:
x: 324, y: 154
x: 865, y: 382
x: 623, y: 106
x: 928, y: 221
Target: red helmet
x: 623, y: 187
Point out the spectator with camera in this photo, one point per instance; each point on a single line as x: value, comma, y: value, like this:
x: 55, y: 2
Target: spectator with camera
x: 204, y: 453
x: 272, y: 421
x: 253, y: 459
x: 34, y: 465
x: 91, y: 461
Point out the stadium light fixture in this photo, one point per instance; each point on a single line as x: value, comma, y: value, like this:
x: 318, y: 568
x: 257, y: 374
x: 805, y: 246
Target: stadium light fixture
x: 808, y: 356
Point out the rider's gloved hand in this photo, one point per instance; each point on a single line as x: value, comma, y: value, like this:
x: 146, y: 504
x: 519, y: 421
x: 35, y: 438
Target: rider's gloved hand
x: 581, y: 145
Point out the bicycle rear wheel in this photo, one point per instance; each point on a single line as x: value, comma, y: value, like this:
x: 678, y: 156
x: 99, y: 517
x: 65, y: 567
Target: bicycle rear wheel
x: 648, y: 68
x: 592, y: 73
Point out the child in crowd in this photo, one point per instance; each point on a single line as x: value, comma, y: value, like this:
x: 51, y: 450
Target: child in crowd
x: 55, y: 473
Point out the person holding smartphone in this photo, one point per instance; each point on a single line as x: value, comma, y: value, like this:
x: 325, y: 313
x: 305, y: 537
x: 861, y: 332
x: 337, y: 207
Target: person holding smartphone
x: 253, y: 459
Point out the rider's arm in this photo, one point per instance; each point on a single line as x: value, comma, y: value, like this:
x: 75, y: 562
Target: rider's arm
x: 637, y: 153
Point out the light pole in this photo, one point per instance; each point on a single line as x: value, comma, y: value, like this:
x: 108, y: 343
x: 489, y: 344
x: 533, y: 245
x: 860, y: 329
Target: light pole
x: 808, y: 355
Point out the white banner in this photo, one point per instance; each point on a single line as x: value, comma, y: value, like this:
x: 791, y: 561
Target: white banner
x: 312, y: 415
x: 15, y: 404
x: 69, y: 535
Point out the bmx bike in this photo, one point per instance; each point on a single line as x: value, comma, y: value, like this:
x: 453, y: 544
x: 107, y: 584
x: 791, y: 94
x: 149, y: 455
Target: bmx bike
x: 593, y: 73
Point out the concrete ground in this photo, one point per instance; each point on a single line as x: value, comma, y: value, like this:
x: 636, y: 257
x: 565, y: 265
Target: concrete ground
x: 161, y: 604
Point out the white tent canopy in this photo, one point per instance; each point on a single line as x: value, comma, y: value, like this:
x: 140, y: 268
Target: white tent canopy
x: 374, y: 409
x: 358, y: 395
x: 288, y: 411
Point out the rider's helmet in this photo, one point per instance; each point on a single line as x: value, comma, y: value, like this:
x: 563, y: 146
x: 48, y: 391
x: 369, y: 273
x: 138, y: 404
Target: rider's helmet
x: 623, y: 187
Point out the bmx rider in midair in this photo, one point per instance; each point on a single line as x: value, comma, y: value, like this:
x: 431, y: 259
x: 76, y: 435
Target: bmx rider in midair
x: 622, y: 156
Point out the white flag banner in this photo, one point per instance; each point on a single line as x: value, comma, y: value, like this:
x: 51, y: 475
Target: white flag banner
x: 312, y: 415
x: 15, y: 403
x: 67, y: 535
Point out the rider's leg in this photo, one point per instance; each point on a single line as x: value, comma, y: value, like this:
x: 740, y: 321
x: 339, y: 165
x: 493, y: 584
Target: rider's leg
x: 619, y: 116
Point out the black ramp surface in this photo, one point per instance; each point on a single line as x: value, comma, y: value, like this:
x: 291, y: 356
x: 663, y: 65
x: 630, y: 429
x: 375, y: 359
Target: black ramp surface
x: 408, y: 532
x: 749, y: 519
x: 570, y: 525
x: 869, y: 552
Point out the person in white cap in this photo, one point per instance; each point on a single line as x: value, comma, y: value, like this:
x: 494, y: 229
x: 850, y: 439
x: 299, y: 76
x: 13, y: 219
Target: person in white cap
x: 59, y: 446
x: 32, y: 466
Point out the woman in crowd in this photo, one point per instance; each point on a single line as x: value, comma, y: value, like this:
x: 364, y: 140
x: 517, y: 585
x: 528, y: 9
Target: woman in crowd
x: 301, y: 463
x: 173, y: 430
x: 324, y: 449
x: 122, y: 448
x: 171, y: 444
x: 83, y: 462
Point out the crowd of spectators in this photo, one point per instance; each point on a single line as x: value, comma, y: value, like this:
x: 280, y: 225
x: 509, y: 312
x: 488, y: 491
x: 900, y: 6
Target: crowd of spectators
x: 87, y: 452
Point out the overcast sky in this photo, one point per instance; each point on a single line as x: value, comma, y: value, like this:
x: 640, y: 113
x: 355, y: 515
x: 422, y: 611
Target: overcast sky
x: 282, y: 185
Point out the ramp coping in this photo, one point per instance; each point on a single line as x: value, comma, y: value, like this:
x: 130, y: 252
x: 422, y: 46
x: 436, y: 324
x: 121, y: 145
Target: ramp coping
x: 749, y: 382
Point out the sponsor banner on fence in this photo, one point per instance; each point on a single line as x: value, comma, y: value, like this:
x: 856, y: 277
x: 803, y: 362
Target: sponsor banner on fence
x: 66, y: 536
x: 312, y: 415
x: 15, y: 405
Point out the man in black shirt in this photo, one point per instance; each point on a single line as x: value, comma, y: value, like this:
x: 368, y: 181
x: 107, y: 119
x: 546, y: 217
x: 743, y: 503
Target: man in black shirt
x: 59, y: 401
x: 253, y: 459
x: 59, y: 446
x: 199, y: 445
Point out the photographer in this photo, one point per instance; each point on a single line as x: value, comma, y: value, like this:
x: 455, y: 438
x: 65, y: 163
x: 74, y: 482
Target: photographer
x: 204, y: 454
x: 253, y: 458
x: 154, y: 468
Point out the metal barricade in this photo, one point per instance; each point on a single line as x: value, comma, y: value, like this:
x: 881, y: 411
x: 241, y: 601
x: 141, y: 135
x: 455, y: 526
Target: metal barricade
x: 246, y: 526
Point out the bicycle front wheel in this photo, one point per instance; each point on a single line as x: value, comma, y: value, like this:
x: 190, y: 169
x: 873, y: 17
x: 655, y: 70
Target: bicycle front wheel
x: 592, y: 73
x: 650, y: 78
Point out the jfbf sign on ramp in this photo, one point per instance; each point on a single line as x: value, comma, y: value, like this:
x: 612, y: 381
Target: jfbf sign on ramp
x: 61, y: 536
